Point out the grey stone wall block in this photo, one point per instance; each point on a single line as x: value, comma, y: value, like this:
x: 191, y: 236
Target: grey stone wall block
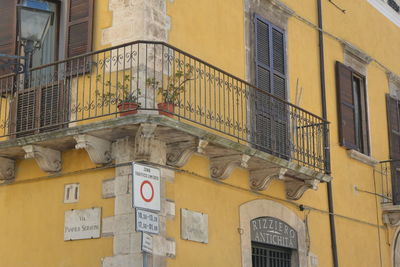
x: 124, y: 223
x: 134, y: 259
x: 121, y: 244
x: 168, y: 174
x: 123, y: 185
x: 123, y: 204
x: 107, y: 228
x: 135, y: 242
x: 108, y: 188
x: 124, y: 170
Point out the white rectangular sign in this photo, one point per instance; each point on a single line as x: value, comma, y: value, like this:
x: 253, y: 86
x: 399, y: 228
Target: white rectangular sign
x: 146, y: 187
x: 147, y: 243
x: 82, y: 224
x: 147, y: 221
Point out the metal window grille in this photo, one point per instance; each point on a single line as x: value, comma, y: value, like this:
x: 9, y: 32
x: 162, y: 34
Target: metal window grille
x: 270, y: 256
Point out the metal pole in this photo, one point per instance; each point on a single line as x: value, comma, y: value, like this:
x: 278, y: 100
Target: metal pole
x: 28, y: 49
x: 145, y: 259
x: 326, y: 137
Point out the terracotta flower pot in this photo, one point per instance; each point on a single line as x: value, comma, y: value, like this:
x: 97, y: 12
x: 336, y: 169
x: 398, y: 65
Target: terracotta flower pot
x: 163, y: 107
x: 127, y: 108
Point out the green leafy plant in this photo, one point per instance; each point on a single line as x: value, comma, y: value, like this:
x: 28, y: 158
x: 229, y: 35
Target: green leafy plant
x: 121, y: 94
x: 175, y: 86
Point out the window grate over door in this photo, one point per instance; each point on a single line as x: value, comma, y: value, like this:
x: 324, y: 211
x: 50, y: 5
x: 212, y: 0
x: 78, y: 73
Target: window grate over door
x: 270, y: 256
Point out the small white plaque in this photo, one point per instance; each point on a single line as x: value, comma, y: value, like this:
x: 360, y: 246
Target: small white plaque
x: 82, y: 224
x: 146, y: 187
x: 147, y: 221
x: 147, y: 243
x: 194, y: 226
x: 71, y: 193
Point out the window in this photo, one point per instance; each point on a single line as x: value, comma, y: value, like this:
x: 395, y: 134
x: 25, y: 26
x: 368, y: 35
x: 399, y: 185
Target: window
x: 44, y: 104
x: 265, y: 255
x: 352, y: 109
x: 393, y: 118
x: 271, y: 114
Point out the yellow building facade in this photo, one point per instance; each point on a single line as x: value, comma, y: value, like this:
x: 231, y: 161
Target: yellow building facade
x: 276, y: 145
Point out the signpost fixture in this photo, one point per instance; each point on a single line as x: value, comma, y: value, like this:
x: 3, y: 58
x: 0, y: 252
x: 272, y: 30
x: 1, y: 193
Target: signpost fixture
x: 146, y: 187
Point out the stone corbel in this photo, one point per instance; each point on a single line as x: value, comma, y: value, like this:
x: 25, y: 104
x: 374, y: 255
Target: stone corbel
x: 179, y: 153
x: 221, y: 167
x: 260, y: 179
x: 147, y: 146
x: 391, y: 218
x: 391, y: 214
x: 7, y: 169
x: 99, y: 150
x: 296, y: 188
x: 49, y: 160
x: 201, y: 146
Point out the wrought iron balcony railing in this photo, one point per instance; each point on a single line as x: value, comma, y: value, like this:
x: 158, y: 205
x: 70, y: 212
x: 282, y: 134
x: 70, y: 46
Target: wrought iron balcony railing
x: 138, y: 77
x: 387, y: 174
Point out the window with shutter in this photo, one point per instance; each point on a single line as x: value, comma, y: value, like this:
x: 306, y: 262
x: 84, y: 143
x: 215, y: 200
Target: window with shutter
x: 8, y: 27
x: 393, y: 117
x: 352, y: 109
x: 79, y: 34
x: 271, y: 115
x: 43, y: 104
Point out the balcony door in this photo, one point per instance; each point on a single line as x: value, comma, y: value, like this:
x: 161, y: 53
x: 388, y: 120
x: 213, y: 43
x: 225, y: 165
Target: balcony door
x: 42, y: 103
x: 38, y: 103
x: 271, y: 114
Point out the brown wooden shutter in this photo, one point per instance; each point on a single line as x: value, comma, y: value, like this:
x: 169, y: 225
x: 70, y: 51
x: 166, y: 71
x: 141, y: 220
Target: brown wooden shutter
x: 394, y: 144
x: 8, y: 30
x: 345, y: 102
x: 40, y: 109
x: 79, y: 27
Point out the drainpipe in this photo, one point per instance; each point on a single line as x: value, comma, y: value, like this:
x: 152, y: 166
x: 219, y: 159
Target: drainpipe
x: 326, y: 137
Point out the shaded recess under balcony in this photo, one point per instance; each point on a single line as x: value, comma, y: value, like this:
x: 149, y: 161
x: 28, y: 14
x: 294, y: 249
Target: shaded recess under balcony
x: 153, y: 89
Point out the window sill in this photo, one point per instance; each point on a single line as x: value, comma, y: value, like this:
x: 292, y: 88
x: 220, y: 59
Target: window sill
x: 354, y: 154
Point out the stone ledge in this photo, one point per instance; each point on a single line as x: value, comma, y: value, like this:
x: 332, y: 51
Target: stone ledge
x: 357, y: 53
x: 172, y: 132
x: 354, y: 154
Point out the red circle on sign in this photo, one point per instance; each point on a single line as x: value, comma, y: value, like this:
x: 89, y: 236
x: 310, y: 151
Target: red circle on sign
x: 152, y: 191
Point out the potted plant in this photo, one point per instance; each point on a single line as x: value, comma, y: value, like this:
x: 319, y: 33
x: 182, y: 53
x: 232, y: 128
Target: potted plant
x: 125, y: 99
x: 170, y: 94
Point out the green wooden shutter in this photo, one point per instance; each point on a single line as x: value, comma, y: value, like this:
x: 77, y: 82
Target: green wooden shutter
x: 394, y: 144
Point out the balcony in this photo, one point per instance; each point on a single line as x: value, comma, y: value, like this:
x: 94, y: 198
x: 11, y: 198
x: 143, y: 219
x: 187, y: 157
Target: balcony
x: 196, y: 107
x: 387, y: 187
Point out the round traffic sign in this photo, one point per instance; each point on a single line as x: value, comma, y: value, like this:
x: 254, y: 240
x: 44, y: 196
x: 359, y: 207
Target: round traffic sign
x: 146, y: 191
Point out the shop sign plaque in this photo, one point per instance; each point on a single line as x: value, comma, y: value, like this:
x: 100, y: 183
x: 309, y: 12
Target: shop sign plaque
x: 272, y: 231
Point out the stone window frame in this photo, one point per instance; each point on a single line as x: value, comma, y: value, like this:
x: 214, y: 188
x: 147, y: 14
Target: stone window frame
x: 263, y: 207
x: 275, y: 12
x: 358, y: 60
